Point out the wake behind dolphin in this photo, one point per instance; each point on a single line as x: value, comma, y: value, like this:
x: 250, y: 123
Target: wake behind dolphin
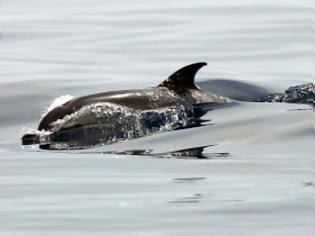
x: 108, y: 117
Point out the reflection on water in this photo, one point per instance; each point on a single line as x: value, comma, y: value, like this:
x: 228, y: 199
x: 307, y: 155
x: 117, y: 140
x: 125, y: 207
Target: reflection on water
x: 187, y: 180
x: 193, y: 199
x: 191, y: 153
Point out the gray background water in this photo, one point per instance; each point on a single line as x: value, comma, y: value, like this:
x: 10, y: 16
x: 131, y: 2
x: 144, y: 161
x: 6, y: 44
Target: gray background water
x: 53, y: 48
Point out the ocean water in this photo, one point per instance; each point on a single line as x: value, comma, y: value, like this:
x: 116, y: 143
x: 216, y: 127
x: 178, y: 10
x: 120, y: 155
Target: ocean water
x: 258, y: 178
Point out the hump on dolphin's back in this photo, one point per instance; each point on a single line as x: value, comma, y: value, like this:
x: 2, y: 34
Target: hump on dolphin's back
x: 180, y: 82
x: 183, y: 78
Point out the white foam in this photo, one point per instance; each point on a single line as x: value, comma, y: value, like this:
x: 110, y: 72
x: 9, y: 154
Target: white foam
x: 26, y: 130
x: 57, y: 102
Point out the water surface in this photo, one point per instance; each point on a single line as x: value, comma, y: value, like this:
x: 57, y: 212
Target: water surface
x: 263, y: 185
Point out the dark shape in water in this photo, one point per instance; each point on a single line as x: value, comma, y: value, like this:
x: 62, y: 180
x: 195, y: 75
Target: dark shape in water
x: 304, y: 93
x: 108, y: 117
x: 189, y: 153
x: 191, y: 199
x: 237, y: 90
x: 195, y: 152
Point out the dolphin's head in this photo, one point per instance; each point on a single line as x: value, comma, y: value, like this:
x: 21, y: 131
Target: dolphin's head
x: 53, y: 115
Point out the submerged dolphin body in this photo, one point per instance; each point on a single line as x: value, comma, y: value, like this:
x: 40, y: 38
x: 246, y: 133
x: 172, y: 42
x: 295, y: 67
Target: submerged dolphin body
x: 178, y: 92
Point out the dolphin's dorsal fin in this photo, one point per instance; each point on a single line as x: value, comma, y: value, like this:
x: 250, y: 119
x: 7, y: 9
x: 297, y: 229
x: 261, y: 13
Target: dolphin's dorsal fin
x: 183, y: 78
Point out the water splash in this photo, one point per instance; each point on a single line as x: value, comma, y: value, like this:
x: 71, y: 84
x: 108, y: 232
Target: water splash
x: 57, y: 102
x: 106, y: 123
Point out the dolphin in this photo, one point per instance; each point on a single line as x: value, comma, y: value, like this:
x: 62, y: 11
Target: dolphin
x: 179, y: 89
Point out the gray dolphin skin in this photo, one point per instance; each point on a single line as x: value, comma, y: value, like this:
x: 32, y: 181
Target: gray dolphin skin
x: 108, y: 117
x: 178, y: 89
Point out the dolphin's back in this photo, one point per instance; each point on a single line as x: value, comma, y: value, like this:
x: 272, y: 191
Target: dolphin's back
x: 144, y: 99
x: 178, y: 89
